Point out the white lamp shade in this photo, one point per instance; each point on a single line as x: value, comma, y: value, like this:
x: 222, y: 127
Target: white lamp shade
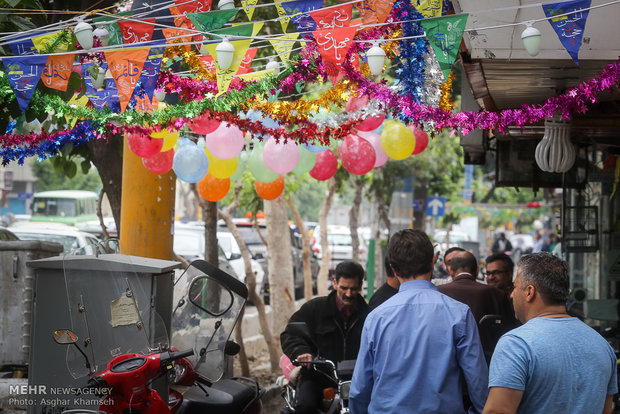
x: 376, y: 59
x: 102, y: 34
x: 84, y: 34
x: 226, y: 4
x: 160, y: 95
x: 225, y: 52
x: 99, y: 80
x: 272, y: 64
x: 531, y: 40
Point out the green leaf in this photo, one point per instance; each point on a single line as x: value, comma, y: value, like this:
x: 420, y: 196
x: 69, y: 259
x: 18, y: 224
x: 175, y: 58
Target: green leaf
x: 85, y: 165
x: 22, y: 24
x: 70, y: 169
x: 14, y: 3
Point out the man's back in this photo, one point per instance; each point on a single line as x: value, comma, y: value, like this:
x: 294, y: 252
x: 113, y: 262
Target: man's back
x: 561, y: 364
x: 414, y: 347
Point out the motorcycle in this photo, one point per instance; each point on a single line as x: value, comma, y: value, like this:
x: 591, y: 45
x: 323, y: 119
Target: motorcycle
x: 121, y: 345
x: 336, y: 377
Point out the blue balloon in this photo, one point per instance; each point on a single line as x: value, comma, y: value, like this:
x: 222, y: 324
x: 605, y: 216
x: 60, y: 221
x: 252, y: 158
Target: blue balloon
x: 315, y: 148
x: 190, y: 163
x: 267, y: 122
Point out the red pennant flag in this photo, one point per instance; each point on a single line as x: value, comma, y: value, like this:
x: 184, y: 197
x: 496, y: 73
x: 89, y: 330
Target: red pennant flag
x: 136, y: 31
x: 334, y: 45
x: 196, y: 6
x: 57, y: 71
x: 374, y: 11
x: 247, y: 61
x: 209, y: 63
x: 126, y: 66
x: 333, y: 17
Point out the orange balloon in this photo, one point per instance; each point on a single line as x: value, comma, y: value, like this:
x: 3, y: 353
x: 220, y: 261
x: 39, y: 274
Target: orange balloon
x: 213, y: 189
x: 269, y: 191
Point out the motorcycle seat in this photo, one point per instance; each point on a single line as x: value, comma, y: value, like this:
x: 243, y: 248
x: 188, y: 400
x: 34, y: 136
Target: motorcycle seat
x: 224, y: 397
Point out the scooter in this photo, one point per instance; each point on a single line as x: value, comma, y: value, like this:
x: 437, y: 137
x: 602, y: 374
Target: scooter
x: 205, y: 314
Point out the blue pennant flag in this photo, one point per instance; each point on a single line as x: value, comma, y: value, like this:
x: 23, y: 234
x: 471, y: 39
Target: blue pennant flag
x: 150, y: 70
x: 569, y: 28
x: 23, y: 45
x: 101, y: 98
x: 300, y: 16
x: 24, y: 73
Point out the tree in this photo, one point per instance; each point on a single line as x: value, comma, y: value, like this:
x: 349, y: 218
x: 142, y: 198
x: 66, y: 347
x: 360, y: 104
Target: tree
x: 48, y: 178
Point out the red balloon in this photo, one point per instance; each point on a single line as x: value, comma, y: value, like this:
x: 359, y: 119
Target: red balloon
x: 269, y: 191
x: 203, y: 124
x: 143, y: 145
x: 356, y: 103
x: 159, y: 163
x: 325, y: 167
x: 370, y: 123
x: 421, y: 139
x: 213, y: 189
x: 357, y: 155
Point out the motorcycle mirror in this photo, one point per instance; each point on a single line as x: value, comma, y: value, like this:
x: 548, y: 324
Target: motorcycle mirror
x: 232, y: 348
x: 65, y: 336
x: 210, y: 296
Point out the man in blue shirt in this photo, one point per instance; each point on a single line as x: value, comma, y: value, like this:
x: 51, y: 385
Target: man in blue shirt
x: 419, y: 345
x: 554, y: 363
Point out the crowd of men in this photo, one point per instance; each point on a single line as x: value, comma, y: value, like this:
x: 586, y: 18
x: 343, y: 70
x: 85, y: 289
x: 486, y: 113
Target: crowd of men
x: 422, y: 348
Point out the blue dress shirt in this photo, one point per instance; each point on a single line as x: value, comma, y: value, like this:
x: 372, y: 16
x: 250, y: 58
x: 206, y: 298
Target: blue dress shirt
x: 413, y: 349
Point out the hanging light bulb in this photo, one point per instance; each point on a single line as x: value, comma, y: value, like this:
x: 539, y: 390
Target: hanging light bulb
x: 272, y: 64
x: 226, y: 4
x: 376, y: 59
x: 102, y: 34
x: 555, y: 153
x: 84, y: 34
x: 531, y: 39
x: 225, y: 52
x: 98, y: 80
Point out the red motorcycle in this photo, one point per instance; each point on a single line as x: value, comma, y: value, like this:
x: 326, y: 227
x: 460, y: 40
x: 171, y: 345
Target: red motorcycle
x: 156, y: 378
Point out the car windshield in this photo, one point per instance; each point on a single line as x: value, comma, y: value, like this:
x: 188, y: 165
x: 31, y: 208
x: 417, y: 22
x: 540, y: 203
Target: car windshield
x: 186, y: 242
x: 339, y: 239
x: 225, y: 243
x: 250, y: 235
x: 68, y: 242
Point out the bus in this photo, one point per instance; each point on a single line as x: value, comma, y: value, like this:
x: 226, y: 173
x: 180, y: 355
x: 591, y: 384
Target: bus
x: 64, y: 206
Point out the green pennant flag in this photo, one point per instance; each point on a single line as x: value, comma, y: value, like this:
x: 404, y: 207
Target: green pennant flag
x: 116, y: 37
x: 211, y: 20
x: 445, y: 34
x: 243, y: 30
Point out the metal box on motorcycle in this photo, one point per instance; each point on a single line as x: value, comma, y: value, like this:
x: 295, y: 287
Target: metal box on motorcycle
x: 49, y: 371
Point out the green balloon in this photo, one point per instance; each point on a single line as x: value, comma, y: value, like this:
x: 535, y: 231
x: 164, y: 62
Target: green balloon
x: 241, y: 165
x: 257, y: 165
x: 307, y: 159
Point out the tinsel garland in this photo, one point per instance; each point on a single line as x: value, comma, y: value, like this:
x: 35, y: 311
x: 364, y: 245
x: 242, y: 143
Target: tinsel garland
x: 446, y: 90
x: 194, y: 62
x: 411, y: 52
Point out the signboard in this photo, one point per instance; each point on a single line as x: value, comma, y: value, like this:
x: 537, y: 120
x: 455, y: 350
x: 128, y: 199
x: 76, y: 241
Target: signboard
x: 435, y: 206
x: 418, y: 205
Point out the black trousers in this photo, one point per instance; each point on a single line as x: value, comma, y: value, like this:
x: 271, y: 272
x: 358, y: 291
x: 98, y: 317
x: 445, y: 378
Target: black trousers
x: 309, y: 391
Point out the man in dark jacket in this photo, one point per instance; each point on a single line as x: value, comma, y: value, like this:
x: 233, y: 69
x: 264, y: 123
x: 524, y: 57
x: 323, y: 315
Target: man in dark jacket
x: 335, y: 322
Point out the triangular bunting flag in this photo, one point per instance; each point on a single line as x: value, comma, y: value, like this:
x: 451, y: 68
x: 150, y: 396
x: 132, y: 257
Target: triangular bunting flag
x: 334, y: 45
x: 250, y: 7
x: 255, y: 29
x: 134, y: 31
x: 173, y: 35
x: 206, y: 22
x: 24, y: 73
x: 101, y: 98
x: 298, y: 11
x: 445, y: 34
x: 126, y: 66
x: 57, y: 70
x: 284, y: 47
x: 196, y: 6
x: 42, y: 43
x: 150, y: 71
x: 209, y: 63
x: 242, y: 30
x: 429, y: 8
x: 224, y: 77
x: 284, y: 19
x: 247, y: 61
x: 569, y: 28
x: 333, y: 17
x: 116, y: 37
x: 374, y: 11
x: 256, y: 76
x: 23, y: 45
x: 80, y: 103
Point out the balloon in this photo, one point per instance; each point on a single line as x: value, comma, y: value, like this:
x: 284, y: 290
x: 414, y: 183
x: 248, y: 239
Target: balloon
x: 307, y: 159
x: 357, y: 155
x: 213, y: 189
x: 421, y: 139
x: 265, y: 120
x: 325, y: 167
x: 257, y: 166
x: 159, y: 163
x: 203, y: 124
x: 143, y: 145
x: 219, y: 168
x: 397, y: 140
x: 170, y: 138
x: 281, y: 157
x: 269, y: 191
x: 242, y: 162
x: 190, y: 162
x: 315, y: 148
x: 161, y: 134
x: 370, y: 122
x: 226, y: 141
x: 375, y: 140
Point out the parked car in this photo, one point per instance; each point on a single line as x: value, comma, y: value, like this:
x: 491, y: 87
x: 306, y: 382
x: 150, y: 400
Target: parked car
x: 7, y: 235
x: 521, y: 244
x: 73, y: 240
x: 340, y: 245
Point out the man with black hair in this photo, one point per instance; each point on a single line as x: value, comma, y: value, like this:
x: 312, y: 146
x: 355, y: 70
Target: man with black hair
x: 498, y: 271
x: 415, y: 345
x: 448, y: 255
x: 553, y: 363
x: 335, y: 322
x: 387, y: 290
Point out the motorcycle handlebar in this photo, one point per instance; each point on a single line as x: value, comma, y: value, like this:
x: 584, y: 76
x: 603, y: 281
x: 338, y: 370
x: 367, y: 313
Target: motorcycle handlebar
x: 325, y: 362
x: 181, y: 354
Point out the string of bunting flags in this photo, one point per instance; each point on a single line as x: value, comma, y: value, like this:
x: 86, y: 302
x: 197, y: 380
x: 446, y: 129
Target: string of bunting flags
x: 127, y: 74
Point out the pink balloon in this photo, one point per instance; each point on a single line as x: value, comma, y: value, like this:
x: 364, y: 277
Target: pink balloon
x: 375, y: 140
x: 225, y: 142
x: 357, y: 155
x: 203, y: 124
x: 144, y: 146
x: 281, y: 157
x: 159, y: 163
x: 370, y: 123
x: 421, y: 139
x: 325, y: 167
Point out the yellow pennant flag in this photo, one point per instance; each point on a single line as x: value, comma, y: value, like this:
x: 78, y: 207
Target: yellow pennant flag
x: 71, y: 120
x: 41, y: 43
x: 283, y: 47
x: 255, y: 76
x: 224, y: 77
x: 255, y: 29
x: 429, y: 8
x: 284, y: 17
x: 250, y: 11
